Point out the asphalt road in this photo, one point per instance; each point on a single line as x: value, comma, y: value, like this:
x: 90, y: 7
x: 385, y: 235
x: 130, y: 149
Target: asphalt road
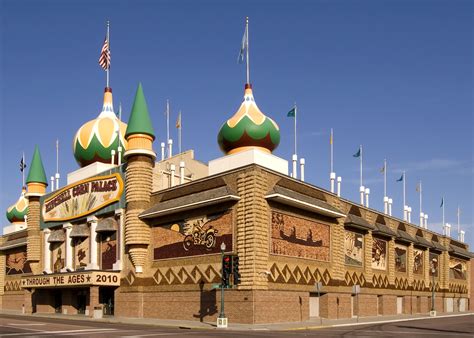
x: 17, y: 326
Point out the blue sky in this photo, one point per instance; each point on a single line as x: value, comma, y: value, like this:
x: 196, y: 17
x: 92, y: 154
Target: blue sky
x: 394, y: 76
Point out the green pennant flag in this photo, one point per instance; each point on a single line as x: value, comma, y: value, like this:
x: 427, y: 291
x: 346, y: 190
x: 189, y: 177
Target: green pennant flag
x: 291, y: 113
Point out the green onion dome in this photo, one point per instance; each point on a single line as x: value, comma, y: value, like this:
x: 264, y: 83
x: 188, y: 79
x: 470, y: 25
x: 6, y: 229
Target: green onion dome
x: 248, y: 128
x: 17, y: 212
x: 95, y: 140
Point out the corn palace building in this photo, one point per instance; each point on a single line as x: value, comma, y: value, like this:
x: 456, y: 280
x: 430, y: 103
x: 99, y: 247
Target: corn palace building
x: 133, y: 236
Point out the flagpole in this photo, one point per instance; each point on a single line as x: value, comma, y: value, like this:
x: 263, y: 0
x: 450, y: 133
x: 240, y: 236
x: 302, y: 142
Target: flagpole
x: 404, y: 193
x: 295, y: 125
x: 385, y: 177
x: 332, y: 151
x: 120, y: 112
x: 108, y: 42
x: 23, y: 171
x: 179, y: 132
x: 421, y: 196
x: 247, y: 42
x: 57, y: 155
x: 167, y: 121
x: 443, y: 217
x: 361, y: 181
x: 57, y: 163
x: 459, y: 224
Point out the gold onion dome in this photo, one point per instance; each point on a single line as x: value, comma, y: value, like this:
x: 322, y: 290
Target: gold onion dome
x: 248, y: 128
x: 95, y: 140
x: 17, y: 212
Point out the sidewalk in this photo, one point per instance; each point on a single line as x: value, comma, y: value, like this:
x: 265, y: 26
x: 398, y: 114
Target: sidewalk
x: 312, y: 323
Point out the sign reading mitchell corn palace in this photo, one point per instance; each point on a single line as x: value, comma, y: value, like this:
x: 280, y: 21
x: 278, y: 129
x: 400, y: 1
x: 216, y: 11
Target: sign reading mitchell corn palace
x: 156, y: 252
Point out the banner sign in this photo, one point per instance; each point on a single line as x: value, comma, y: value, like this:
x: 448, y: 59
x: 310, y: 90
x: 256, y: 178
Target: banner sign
x: 82, y: 198
x: 88, y: 278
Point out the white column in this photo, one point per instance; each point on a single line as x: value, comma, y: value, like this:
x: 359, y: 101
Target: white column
x: 302, y: 162
x: 367, y: 193
x: 112, y: 160
x: 52, y: 183
x: 173, y: 170
x: 405, y: 212
x: 409, y: 214
x: 162, y: 151
x: 47, y: 252
x: 57, y: 181
x: 422, y: 219
x: 362, y: 191
x: 339, y: 180
x: 119, y: 157
x: 93, y: 243
x: 69, y: 260
x: 426, y: 221
x: 170, y: 147
x: 332, y: 178
x: 461, y: 235
x: 448, y: 230
x: 181, y: 172
x: 390, y: 202
x: 385, y: 205
x: 294, y: 160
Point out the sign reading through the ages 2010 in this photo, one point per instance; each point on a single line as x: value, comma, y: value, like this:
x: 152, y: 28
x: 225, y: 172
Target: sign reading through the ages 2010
x: 82, y: 198
x: 72, y: 279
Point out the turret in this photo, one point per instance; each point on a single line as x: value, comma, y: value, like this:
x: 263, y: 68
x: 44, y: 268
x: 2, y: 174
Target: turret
x: 140, y: 159
x: 36, y: 183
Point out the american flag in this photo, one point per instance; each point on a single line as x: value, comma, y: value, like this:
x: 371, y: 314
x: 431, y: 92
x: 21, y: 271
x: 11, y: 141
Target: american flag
x: 104, y: 59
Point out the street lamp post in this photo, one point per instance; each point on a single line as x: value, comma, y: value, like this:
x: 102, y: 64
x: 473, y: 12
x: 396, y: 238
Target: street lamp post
x: 222, y: 320
x: 433, y: 312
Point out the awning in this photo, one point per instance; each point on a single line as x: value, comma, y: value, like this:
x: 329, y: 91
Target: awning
x: 423, y: 242
x: 305, y: 202
x: 405, y: 236
x: 198, y: 200
x: 14, y: 243
x: 460, y: 251
x: 108, y: 224
x: 79, y: 231
x: 358, y: 222
x: 57, y: 236
x: 384, y: 230
x: 438, y: 246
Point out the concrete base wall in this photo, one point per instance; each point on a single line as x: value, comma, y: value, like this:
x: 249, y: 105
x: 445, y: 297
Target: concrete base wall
x: 387, y: 305
x: 239, y: 306
x: 12, y: 301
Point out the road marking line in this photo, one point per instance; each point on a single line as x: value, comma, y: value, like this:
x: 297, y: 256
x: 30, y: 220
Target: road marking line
x: 161, y: 334
x: 414, y: 332
x: 41, y: 332
x: 26, y: 324
x: 21, y: 328
x: 399, y: 320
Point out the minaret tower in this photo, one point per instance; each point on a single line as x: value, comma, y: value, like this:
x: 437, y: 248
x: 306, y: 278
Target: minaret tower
x: 140, y: 159
x: 36, y: 183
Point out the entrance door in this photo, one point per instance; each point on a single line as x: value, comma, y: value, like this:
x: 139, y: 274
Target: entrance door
x: 58, y: 301
x: 106, y: 297
x: 81, y: 302
x: 313, y: 305
x: 449, y: 305
x: 399, y: 305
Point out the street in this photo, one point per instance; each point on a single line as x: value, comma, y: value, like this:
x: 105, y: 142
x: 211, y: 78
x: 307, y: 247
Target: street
x: 19, y: 326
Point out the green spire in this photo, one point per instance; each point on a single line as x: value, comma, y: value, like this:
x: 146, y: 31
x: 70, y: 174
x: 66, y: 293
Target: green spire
x: 36, y: 173
x: 139, y: 121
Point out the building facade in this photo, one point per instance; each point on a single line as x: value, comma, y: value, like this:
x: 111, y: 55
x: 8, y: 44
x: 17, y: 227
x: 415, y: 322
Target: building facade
x: 131, y: 236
